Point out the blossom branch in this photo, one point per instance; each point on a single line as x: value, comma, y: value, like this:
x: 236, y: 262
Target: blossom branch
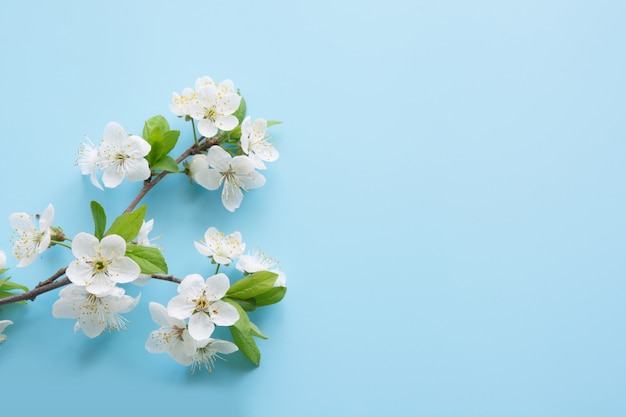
x: 148, y: 184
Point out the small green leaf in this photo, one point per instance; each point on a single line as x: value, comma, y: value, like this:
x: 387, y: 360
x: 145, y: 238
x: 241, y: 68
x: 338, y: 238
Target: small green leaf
x: 127, y: 225
x: 272, y: 296
x: 246, y: 345
x: 273, y: 122
x: 5, y: 285
x: 254, y: 331
x: 150, y: 260
x: 240, y: 113
x: 166, y: 164
x: 170, y: 138
x: 99, y: 219
x: 153, y: 123
x: 252, y: 285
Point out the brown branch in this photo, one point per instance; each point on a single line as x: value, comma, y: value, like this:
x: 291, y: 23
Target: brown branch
x: 203, y: 145
x: 52, y: 283
x: 38, y: 290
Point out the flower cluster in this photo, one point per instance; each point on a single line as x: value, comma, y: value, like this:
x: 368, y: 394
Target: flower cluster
x: 228, y: 155
x: 243, y: 147
x: 119, y: 156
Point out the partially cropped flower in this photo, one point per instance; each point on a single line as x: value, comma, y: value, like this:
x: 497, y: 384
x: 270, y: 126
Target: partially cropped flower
x: 88, y: 157
x: 222, y: 88
x: 122, y: 156
x: 236, y: 174
x: 31, y: 241
x: 207, y: 351
x: 94, y: 314
x: 144, y: 231
x: 259, y: 261
x: 254, y: 142
x: 214, y: 110
x: 200, y: 301
x: 172, y: 337
x: 180, y: 102
x: 100, y: 264
x: 223, y: 249
x: 144, y: 240
x: 3, y: 259
x: 3, y: 325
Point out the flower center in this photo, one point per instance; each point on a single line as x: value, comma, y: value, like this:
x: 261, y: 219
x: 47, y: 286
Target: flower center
x: 210, y: 113
x: 100, y: 266
x: 202, y: 304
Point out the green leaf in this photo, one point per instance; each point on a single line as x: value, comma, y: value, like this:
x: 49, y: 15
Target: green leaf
x: 252, y: 285
x: 240, y: 113
x: 156, y: 141
x: 153, y: 123
x: 5, y: 285
x: 166, y: 164
x: 272, y: 296
x: 170, y: 138
x: 99, y: 219
x: 150, y: 260
x: 127, y: 225
x: 243, y: 324
x: 246, y: 345
x: 254, y: 331
x: 273, y: 122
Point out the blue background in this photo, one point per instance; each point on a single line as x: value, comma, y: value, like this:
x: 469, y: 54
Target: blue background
x: 449, y: 204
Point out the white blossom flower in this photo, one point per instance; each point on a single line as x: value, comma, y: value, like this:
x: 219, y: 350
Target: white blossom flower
x: 200, y: 301
x: 222, y: 88
x: 100, y: 264
x: 144, y: 231
x: 94, y: 313
x: 31, y: 241
x: 3, y: 259
x: 223, y: 249
x: 254, y: 142
x: 206, y: 352
x: 88, y: 158
x: 180, y: 102
x: 236, y: 174
x: 122, y: 156
x: 172, y: 337
x: 3, y: 325
x: 259, y: 261
x: 214, y: 110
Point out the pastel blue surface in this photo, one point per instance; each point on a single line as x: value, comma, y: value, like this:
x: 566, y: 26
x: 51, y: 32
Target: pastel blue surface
x: 449, y: 205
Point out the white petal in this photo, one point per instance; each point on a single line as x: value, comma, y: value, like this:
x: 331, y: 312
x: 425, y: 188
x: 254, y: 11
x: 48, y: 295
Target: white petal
x: 252, y: 180
x: 4, y: 324
x: 180, y: 307
x: 203, y: 249
x: 139, y: 147
x: 200, y: 326
x: 22, y: 221
x: 112, y: 246
x: 111, y: 177
x: 64, y: 309
x: 232, y: 196
x: 192, y: 286
x: 137, y: 170
x: 3, y: 260
x: 217, y: 286
x: 123, y: 270
x: 218, y: 158
x: 123, y: 304
x: 159, y: 314
x: 85, y: 245
x: 223, y: 346
x: 80, y: 273
x: 223, y: 314
x: 207, y: 128
x: 114, y: 134
x: 91, y: 322
x: 211, y: 179
x: 45, y: 221
x: 227, y: 123
x: 100, y: 285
